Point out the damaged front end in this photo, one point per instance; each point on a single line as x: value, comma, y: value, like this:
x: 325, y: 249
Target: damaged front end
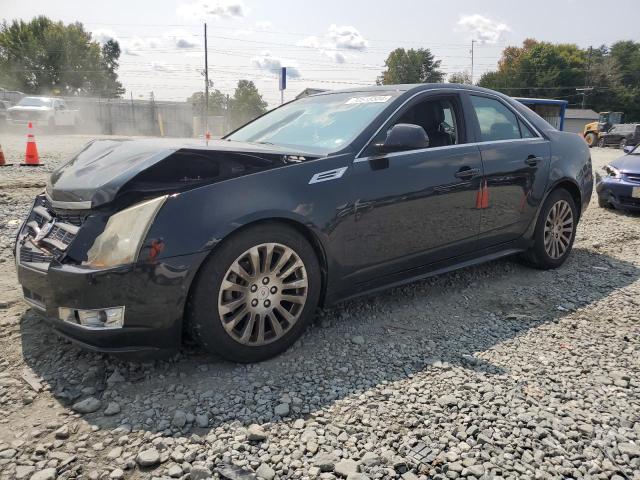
x: 78, y: 253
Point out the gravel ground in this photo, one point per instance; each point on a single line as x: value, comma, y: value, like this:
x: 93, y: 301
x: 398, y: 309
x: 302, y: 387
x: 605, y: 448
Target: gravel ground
x: 497, y: 371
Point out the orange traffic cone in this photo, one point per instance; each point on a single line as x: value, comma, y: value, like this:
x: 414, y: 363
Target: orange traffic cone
x: 485, y: 195
x: 479, y: 195
x: 3, y: 162
x: 31, y: 158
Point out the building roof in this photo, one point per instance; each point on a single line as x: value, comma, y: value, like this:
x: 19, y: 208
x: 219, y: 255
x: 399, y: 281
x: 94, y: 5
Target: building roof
x: 581, y: 114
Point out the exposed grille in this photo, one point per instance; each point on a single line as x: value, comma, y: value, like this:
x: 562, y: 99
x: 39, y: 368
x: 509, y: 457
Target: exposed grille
x: 633, y: 177
x: 62, y: 225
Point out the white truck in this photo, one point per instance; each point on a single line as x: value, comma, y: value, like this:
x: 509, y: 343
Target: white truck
x: 50, y: 112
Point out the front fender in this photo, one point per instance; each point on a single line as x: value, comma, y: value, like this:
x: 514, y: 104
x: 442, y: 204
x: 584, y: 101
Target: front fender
x: 197, y: 220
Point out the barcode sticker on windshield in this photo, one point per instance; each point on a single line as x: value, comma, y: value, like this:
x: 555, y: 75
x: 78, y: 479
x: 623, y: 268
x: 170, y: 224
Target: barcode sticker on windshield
x: 374, y: 99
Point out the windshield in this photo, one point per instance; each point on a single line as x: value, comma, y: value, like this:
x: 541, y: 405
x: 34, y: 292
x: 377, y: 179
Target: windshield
x: 322, y: 123
x: 34, y: 102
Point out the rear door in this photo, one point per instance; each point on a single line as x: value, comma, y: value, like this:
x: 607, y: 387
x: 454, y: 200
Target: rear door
x: 515, y: 159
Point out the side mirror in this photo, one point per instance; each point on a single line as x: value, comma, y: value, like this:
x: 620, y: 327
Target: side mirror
x: 628, y: 149
x: 404, y: 136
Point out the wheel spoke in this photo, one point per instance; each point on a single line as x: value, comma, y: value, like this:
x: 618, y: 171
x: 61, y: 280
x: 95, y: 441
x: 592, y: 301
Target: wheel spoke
x: 229, y: 286
x: 268, y: 258
x: 295, y: 266
x: 301, y: 283
x: 293, y: 298
x: 275, y: 325
x: 229, y: 307
x: 248, y: 329
x: 231, y: 324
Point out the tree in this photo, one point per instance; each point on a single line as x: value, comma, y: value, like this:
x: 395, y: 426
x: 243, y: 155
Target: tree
x: 217, y: 102
x: 460, y: 77
x: 542, y: 69
x: 43, y: 57
x: 411, y: 66
x: 246, y: 103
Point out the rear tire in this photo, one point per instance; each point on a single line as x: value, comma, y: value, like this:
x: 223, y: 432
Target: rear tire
x: 246, y: 317
x: 601, y: 143
x: 591, y: 139
x: 603, y: 203
x: 555, y: 231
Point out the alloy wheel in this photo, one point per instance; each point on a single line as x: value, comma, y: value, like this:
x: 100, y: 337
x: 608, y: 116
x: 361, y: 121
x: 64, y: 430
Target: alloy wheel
x: 558, y: 229
x: 263, y: 294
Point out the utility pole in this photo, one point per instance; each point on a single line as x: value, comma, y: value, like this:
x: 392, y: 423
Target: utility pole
x: 206, y: 84
x: 472, y: 45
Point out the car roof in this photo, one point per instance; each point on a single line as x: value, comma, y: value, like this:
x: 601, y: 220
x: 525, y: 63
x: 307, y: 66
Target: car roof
x: 415, y: 87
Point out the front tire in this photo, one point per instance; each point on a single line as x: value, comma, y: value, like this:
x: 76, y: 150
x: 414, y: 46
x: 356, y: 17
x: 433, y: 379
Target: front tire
x: 555, y: 231
x: 623, y: 143
x: 255, y: 294
x: 591, y: 139
x: 601, y: 143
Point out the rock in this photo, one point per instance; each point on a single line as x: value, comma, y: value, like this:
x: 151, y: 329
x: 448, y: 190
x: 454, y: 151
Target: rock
x: 326, y: 462
x: 113, y: 408
x: 234, y: 472
x: 62, y: 433
x: 281, y: 409
x: 115, y: 377
x: 314, y: 472
x: 298, y: 424
x: 630, y: 449
x: 200, y: 473
x: 179, y: 419
x: 409, y: 476
x: 46, y: 474
x: 202, y: 420
x: 88, y: 405
x: 475, y: 470
x: 116, y: 474
x: 265, y: 471
x: 447, y: 401
x: 357, y: 476
x: 175, y: 471
x: 8, y: 453
x: 358, y: 339
x: 148, y: 458
x: 24, y: 471
x: 255, y: 433
x: 344, y: 467
x: 370, y: 459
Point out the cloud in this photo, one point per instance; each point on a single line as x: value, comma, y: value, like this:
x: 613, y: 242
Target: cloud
x: 138, y: 45
x: 337, y: 40
x: 161, y: 67
x: 103, y: 35
x: 183, y: 40
x: 348, y: 37
x: 335, y: 55
x: 264, y: 26
x: 272, y: 64
x: 213, y: 8
x: 483, y: 29
x: 311, y: 42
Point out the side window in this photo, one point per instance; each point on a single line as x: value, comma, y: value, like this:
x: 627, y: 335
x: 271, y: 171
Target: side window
x: 525, y: 131
x: 438, y: 117
x: 496, y: 121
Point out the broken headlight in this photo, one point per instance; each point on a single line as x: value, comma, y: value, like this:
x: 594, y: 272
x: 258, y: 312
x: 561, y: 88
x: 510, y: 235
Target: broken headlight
x: 122, y: 238
x: 612, y: 172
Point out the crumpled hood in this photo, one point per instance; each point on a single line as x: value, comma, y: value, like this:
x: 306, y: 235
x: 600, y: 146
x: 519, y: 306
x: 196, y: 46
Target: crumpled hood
x: 627, y: 163
x: 103, y: 167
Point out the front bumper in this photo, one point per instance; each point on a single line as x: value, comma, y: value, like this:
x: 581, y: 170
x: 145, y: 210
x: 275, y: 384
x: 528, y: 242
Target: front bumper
x: 154, y: 296
x: 618, y: 192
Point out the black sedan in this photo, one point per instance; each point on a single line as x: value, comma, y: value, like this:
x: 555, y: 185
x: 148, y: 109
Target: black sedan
x: 325, y: 198
x: 621, y: 135
x: 619, y: 185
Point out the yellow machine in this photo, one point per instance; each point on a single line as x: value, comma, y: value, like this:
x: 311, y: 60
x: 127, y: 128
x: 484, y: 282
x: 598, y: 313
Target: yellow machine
x: 593, y: 130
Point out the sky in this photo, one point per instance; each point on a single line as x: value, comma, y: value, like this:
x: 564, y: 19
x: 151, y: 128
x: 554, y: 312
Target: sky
x: 328, y: 44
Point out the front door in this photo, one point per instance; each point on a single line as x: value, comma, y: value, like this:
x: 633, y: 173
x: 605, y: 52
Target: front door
x: 417, y: 207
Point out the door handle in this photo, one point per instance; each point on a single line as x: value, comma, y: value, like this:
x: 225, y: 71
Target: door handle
x: 532, y: 160
x: 467, y: 172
